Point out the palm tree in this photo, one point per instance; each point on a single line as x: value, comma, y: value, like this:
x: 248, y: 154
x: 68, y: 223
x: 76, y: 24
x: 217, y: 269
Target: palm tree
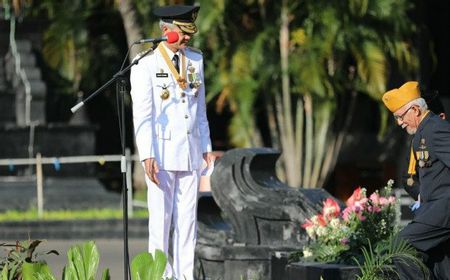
x: 283, y: 69
x: 326, y: 54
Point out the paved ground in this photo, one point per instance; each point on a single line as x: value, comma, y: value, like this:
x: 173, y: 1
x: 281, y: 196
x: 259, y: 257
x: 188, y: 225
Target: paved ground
x: 111, y: 254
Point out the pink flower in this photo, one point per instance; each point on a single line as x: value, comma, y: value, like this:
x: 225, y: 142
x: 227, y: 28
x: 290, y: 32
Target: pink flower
x: 356, y: 209
x: 374, y: 209
x: 375, y: 197
x: 359, y: 206
x: 345, y: 214
x: 392, y: 200
x: 360, y: 216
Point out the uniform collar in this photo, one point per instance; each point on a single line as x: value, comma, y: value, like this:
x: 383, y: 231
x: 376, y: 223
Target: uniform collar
x: 170, y: 52
x: 424, y: 121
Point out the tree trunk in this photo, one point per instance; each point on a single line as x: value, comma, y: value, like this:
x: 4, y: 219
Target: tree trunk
x: 133, y: 29
x: 288, y: 145
x: 134, y: 33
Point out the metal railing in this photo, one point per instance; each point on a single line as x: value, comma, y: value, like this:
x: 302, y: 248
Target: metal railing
x: 39, y: 161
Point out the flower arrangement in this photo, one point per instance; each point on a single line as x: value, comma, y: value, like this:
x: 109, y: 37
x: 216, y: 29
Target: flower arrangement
x: 338, y: 236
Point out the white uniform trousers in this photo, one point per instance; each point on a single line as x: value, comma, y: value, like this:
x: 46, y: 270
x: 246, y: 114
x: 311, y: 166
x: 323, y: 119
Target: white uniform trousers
x: 174, y: 202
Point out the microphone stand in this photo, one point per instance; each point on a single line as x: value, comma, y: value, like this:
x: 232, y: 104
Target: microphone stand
x: 120, y: 93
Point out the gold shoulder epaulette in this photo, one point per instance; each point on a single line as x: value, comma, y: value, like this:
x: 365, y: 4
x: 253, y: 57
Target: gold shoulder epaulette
x: 195, y: 50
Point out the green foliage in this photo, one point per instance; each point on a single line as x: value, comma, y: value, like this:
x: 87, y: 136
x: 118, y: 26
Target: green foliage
x: 80, y: 39
x: 5, y: 272
x: 37, y: 271
x: 378, y: 262
x: 82, y: 262
x: 144, y: 267
x: 21, y: 260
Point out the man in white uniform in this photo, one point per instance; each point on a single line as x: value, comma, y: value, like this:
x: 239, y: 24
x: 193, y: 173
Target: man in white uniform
x: 172, y: 136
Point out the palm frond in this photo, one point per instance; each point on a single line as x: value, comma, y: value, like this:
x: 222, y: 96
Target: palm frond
x: 379, y: 262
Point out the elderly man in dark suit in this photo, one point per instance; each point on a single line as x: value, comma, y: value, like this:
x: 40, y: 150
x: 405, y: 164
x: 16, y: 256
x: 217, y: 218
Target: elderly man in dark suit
x: 429, y: 232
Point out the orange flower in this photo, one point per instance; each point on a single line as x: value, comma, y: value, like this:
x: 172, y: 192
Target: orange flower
x: 357, y: 195
x: 330, y: 209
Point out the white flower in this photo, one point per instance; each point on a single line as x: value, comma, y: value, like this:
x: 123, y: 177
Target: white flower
x: 390, y: 183
x: 364, y: 192
x: 307, y: 252
x: 322, y: 231
x: 335, y: 223
x: 311, y: 231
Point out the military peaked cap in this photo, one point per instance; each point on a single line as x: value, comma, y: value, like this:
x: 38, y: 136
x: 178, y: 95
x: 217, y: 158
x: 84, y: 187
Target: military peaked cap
x: 183, y: 16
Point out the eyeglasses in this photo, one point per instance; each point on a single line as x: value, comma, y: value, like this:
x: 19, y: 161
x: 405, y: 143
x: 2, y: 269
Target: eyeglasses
x: 400, y: 118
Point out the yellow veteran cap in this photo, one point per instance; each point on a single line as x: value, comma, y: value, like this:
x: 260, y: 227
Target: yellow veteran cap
x: 398, y: 97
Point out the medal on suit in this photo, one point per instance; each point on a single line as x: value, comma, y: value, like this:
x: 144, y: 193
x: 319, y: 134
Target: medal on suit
x: 164, y: 93
x: 410, y: 181
x: 194, y: 81
x: 423, y: 155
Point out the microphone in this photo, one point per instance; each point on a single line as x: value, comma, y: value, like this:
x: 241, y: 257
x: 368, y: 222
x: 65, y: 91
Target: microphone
x: 171, y: 37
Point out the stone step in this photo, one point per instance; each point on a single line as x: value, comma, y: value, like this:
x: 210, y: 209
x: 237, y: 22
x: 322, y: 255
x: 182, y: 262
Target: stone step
x: 38, y: 88
x: 26, y: 59
x: 23, y: 46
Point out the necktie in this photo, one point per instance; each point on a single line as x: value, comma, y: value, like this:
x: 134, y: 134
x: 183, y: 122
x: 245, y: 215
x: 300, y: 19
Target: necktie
x: 175, y: 61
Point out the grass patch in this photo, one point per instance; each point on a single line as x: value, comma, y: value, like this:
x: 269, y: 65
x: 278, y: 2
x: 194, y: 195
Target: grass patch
x: 88, y: 214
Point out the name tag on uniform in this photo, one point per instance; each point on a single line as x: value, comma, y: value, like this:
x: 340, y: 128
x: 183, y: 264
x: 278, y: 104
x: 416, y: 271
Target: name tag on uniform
x: 162, y: 75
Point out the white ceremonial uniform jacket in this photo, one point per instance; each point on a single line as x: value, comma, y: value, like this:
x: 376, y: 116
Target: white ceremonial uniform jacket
x: 174, y: 131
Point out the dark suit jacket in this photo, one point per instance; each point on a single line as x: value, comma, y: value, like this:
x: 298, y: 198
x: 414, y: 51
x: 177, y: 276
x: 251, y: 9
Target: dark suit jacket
x: 412, y: 190
x: 432, y: 141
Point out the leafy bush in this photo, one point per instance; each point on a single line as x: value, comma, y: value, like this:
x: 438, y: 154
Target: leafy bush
x: 82, y: 264
x: 21, y: 258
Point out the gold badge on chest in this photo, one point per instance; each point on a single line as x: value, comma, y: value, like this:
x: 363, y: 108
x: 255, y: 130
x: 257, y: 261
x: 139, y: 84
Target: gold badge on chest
x: 165, y: 93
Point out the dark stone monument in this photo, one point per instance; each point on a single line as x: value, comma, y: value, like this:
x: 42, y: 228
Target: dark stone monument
x: 315, y: 271
x: 250, y: 216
